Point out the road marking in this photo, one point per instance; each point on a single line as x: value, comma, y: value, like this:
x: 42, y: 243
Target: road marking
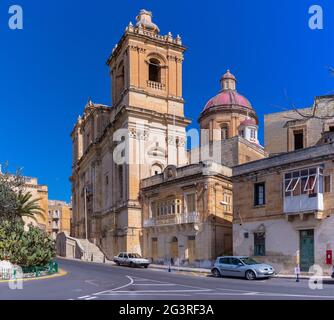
x: 154, y: 284
x: 83, y: 297
x: 126, y: 285
x: 91, y: 282
x: 136, y: 282
x: 91, y: 298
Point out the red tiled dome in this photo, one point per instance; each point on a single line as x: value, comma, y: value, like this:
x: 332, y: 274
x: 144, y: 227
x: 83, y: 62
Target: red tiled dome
x: 228, y: 96
x: 227, y: 99
x: 248, y: 122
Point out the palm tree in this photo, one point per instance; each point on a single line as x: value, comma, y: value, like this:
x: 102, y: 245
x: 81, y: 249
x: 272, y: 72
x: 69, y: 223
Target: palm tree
x: 28, y: 207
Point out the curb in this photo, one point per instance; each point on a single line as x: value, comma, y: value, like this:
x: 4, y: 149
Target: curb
x: 288, y: 276
x: 202, y: 272
x: 61, y: 273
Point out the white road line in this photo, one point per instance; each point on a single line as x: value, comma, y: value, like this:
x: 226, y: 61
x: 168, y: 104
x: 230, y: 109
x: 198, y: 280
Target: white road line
x: 126, y: 285
x: 135, y: 293
x: 83, y: 297
x: 154, y: 284
x: 91, y: 298
x: 155, y: 291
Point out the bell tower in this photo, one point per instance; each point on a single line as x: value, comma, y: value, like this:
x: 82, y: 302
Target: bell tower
x: 146, y: 68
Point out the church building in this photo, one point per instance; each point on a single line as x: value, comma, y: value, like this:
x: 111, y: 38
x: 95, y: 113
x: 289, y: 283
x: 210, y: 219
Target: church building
x: 135, y: 186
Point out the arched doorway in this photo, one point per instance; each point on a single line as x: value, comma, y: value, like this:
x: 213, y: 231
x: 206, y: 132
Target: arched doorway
x: 174, y: 249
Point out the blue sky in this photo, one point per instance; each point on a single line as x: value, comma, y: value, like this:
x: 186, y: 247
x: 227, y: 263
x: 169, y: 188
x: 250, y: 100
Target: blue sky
x: 49, y: 69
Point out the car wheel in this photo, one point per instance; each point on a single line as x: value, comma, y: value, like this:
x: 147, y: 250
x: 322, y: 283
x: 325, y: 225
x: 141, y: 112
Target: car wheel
x: 216, y: 273
x: 132, y: 265
x: 250, y: 275
x: 145, y: 267
x: 118, y: 264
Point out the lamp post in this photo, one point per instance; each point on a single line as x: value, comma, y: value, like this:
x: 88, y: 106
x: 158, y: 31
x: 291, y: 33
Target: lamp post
x: 86, y: 222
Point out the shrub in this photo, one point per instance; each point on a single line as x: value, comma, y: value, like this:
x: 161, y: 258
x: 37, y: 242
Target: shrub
x: 25, y: 248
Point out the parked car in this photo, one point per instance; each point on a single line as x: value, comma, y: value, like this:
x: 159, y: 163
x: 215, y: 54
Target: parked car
x: 131, y: 260
x: 242, y: 267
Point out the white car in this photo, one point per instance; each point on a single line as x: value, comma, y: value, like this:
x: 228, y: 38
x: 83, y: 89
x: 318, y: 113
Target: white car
x: 131, y: 260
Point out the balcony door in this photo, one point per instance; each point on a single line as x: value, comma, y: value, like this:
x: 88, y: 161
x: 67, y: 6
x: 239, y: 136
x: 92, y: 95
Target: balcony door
x: 306, y: 250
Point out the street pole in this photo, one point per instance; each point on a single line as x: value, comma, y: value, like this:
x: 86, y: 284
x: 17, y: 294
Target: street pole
x: 86, y: 222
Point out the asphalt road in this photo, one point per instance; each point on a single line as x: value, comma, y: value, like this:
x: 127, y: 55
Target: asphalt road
x: 90, y: 281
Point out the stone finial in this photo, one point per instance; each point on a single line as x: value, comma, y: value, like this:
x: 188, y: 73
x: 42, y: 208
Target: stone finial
x: 144, y: 19
x: 90, y: 102
x: 178, y: 39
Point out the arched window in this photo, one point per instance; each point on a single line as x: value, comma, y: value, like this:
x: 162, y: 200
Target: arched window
x: 156, y: 169
x: 224, y: 132
x: 154, y: 70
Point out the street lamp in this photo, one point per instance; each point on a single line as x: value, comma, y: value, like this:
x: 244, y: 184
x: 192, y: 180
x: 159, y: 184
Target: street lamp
x: 86, y: 192
x: 86, y: 223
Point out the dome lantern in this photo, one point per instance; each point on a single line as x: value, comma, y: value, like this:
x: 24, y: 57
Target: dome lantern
x: 228, y: 81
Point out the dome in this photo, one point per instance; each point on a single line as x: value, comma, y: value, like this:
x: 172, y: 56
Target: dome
x: 228, y: 96
x: 248, y: 122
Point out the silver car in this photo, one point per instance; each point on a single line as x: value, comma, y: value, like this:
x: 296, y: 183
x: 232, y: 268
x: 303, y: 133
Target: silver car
x: 242, y: 267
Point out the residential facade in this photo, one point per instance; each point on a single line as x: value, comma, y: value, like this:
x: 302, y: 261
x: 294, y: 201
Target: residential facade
x: 299, y: 128
x: 284, y: 205
x: 59, y: 217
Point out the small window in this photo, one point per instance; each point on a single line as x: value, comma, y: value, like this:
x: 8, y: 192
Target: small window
x: 154, y: 70
x: 331, y: 128
x: 299, y: 139
x: 253, y: 134
x: 259, y: 194
x: 259, y: 244
x: 224, y: 132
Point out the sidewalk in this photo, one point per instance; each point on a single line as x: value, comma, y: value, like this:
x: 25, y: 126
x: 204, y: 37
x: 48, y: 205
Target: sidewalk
x: 204, y: 271
x: 176, y: 268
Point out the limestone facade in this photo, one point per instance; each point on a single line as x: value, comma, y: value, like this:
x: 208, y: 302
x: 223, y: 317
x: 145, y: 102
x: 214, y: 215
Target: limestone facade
x: 38, y: 192
x: 144, y: 132
x: 293, y: 221
x: 187, y: 214
x: 59, y: 217
x: 121, y: 154
x: 301, y: 128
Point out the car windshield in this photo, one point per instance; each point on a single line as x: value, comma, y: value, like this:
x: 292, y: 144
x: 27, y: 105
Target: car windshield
x: 134, y: 255
x: 249, y: 261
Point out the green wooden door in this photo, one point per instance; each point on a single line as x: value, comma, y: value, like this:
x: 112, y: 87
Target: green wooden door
x: 306, y: 249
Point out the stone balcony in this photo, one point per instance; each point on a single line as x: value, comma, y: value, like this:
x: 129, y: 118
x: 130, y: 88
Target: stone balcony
x: 173, y: 220
x: 156, y: 85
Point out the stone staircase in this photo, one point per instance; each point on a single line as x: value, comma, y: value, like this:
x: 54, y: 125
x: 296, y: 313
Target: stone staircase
x: 91, y: 251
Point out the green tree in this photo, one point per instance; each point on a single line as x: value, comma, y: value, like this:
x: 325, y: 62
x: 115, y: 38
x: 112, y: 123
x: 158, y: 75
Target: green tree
x: 10, y: 185
x: 27, y: 206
